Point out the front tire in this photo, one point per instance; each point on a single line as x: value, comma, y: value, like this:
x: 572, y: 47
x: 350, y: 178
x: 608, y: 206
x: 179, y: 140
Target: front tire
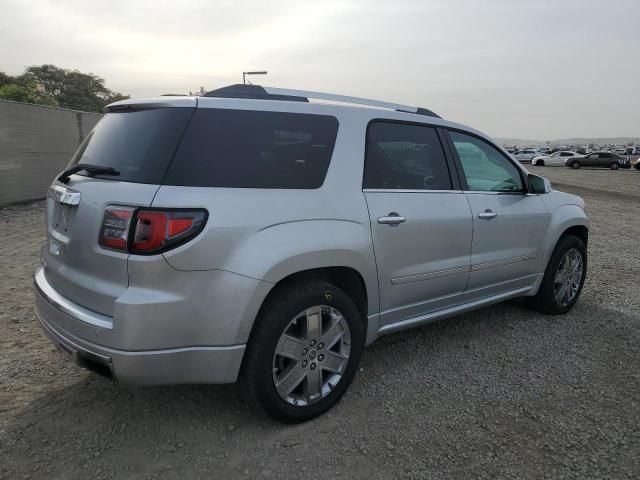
x: 614, y: 166
x: 563, y: 278
x: 304, y: 351
x: 575, y: 165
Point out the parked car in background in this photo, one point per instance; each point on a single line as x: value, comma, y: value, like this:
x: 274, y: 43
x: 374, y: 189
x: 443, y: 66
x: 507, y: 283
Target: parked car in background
x: 557, y: 159
x: 525, y: 156
x: 159, y: 269
x: 599, y: 159
x: 636, y: 151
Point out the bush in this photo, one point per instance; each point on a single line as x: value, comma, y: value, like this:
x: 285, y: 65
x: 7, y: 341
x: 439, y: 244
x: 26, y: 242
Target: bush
x: 27, y: 94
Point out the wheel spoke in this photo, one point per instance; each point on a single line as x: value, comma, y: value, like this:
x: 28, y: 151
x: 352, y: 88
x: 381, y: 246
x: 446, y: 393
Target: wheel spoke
x: 575, y: 261
x: 290, y: 347
x: 334, y: 362
x: 291, y: 379
x: 314, y: 323
x: 313, y: 389
x: 561, y: 294
x: 331, y: 336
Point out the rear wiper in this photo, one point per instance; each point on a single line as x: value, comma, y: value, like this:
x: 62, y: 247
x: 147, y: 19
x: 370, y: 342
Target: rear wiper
x: 90, y: 169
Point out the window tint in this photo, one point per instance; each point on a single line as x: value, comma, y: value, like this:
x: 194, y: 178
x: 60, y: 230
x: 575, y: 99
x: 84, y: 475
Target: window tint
x: 566, y: 154
x: 254, y: 149
x: 401, y: 156
x: 485, y: 168
x: 138, y: 144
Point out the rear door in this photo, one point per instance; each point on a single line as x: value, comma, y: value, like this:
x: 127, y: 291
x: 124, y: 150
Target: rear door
x: 420, y: 220
x: 592, y: 160
x: 139, y: 144
x: 509, y: 225
x: 605, y: 159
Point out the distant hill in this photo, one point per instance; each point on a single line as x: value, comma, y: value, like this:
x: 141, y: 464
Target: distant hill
x: 517, y: 141
x: 568, y: 141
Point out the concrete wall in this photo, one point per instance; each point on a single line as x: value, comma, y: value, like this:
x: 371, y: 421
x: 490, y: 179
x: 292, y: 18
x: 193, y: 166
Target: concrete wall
x: 36, y: 142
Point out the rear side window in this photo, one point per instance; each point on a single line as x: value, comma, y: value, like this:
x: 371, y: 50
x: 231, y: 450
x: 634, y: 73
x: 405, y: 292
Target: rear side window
x: 404, y: 156
x: 254, y: 149
x: 138, y: 144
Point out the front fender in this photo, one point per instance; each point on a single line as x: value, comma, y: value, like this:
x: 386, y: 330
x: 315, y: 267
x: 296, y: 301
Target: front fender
x: 563, y: 218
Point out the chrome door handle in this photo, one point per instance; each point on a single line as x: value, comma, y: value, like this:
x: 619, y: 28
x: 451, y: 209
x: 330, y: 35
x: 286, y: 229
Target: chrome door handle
x: 487, y: 215
x: 392, y: 219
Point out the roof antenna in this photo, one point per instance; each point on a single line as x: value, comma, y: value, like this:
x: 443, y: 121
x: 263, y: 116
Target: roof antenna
x: 244, y: 76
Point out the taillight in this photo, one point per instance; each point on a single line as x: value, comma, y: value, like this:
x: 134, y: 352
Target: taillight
x: 151, y: 231
x: 160, y: 229
x: 114, y: 233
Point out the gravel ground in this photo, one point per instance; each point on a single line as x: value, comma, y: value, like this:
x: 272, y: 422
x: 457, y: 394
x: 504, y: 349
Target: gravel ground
x: 499, y: 393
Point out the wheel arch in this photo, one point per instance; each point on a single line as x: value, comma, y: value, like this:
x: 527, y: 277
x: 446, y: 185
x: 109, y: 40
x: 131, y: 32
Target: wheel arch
x: 569, y: 220
x: 580, y: 231
x: 347, y: 278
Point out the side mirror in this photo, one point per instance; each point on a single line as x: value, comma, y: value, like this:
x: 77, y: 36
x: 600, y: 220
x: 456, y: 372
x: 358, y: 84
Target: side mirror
x: 539, y: 185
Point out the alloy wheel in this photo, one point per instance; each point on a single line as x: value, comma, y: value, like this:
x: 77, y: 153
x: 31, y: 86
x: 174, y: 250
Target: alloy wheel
x: 568, y: 277
x: 311, y: 355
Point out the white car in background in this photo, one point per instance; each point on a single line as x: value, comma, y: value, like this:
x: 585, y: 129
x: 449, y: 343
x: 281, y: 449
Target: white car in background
x: 526, y: 155
x: 557, y: 159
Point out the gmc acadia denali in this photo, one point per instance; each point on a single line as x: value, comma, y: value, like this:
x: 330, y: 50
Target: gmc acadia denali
x: 266, y: 236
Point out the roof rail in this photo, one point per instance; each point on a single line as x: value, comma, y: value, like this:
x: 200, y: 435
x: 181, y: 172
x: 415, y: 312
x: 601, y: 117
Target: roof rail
x: 271, y: 93
x: 240, y: 90
x: 346, y: 99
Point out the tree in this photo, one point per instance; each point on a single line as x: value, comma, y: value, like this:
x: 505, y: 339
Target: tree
x: 68, y: 88
x: 27, y: 94
x: 73, y: 89
x: 5, y: 79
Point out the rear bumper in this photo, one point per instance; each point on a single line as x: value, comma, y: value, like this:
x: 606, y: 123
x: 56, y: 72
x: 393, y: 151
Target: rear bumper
x: 197, y: 364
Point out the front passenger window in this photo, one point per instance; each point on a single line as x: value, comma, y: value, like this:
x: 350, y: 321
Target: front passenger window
x: 485, y: 168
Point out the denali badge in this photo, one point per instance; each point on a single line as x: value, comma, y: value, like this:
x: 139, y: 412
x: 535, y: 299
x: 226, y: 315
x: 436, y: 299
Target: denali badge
x: 64, y: 195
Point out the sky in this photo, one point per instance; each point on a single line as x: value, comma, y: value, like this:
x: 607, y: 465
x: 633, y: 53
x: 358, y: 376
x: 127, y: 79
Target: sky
x: 533, y: 69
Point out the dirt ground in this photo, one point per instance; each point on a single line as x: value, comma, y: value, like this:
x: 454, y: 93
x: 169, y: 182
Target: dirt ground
x: 499, y: 393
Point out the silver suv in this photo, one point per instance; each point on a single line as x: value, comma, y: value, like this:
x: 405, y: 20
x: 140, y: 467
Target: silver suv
x: 253, y: 235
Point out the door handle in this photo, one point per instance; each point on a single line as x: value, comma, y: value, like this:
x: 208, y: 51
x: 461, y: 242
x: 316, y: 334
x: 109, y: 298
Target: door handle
x: 393, y: 219
x: 487, y: 215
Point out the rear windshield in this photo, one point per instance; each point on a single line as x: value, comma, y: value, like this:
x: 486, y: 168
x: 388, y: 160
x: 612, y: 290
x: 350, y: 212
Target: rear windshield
x: 254, y: 149
x: 138, y: 144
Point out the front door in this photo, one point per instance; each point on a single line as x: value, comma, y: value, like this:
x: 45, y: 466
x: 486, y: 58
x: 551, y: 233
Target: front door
x: 421, y: 223
x: 509, y: 225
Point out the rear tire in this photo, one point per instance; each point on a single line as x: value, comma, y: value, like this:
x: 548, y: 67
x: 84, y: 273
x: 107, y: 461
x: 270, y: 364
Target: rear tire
x: 614, y: 166
x: 556, y: 277
x: 286, y: 316
x: 575, y: 165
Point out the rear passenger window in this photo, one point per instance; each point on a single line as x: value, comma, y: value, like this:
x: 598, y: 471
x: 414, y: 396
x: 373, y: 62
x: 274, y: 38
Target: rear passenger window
x: 254, y: 149
x: 402, y: 156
